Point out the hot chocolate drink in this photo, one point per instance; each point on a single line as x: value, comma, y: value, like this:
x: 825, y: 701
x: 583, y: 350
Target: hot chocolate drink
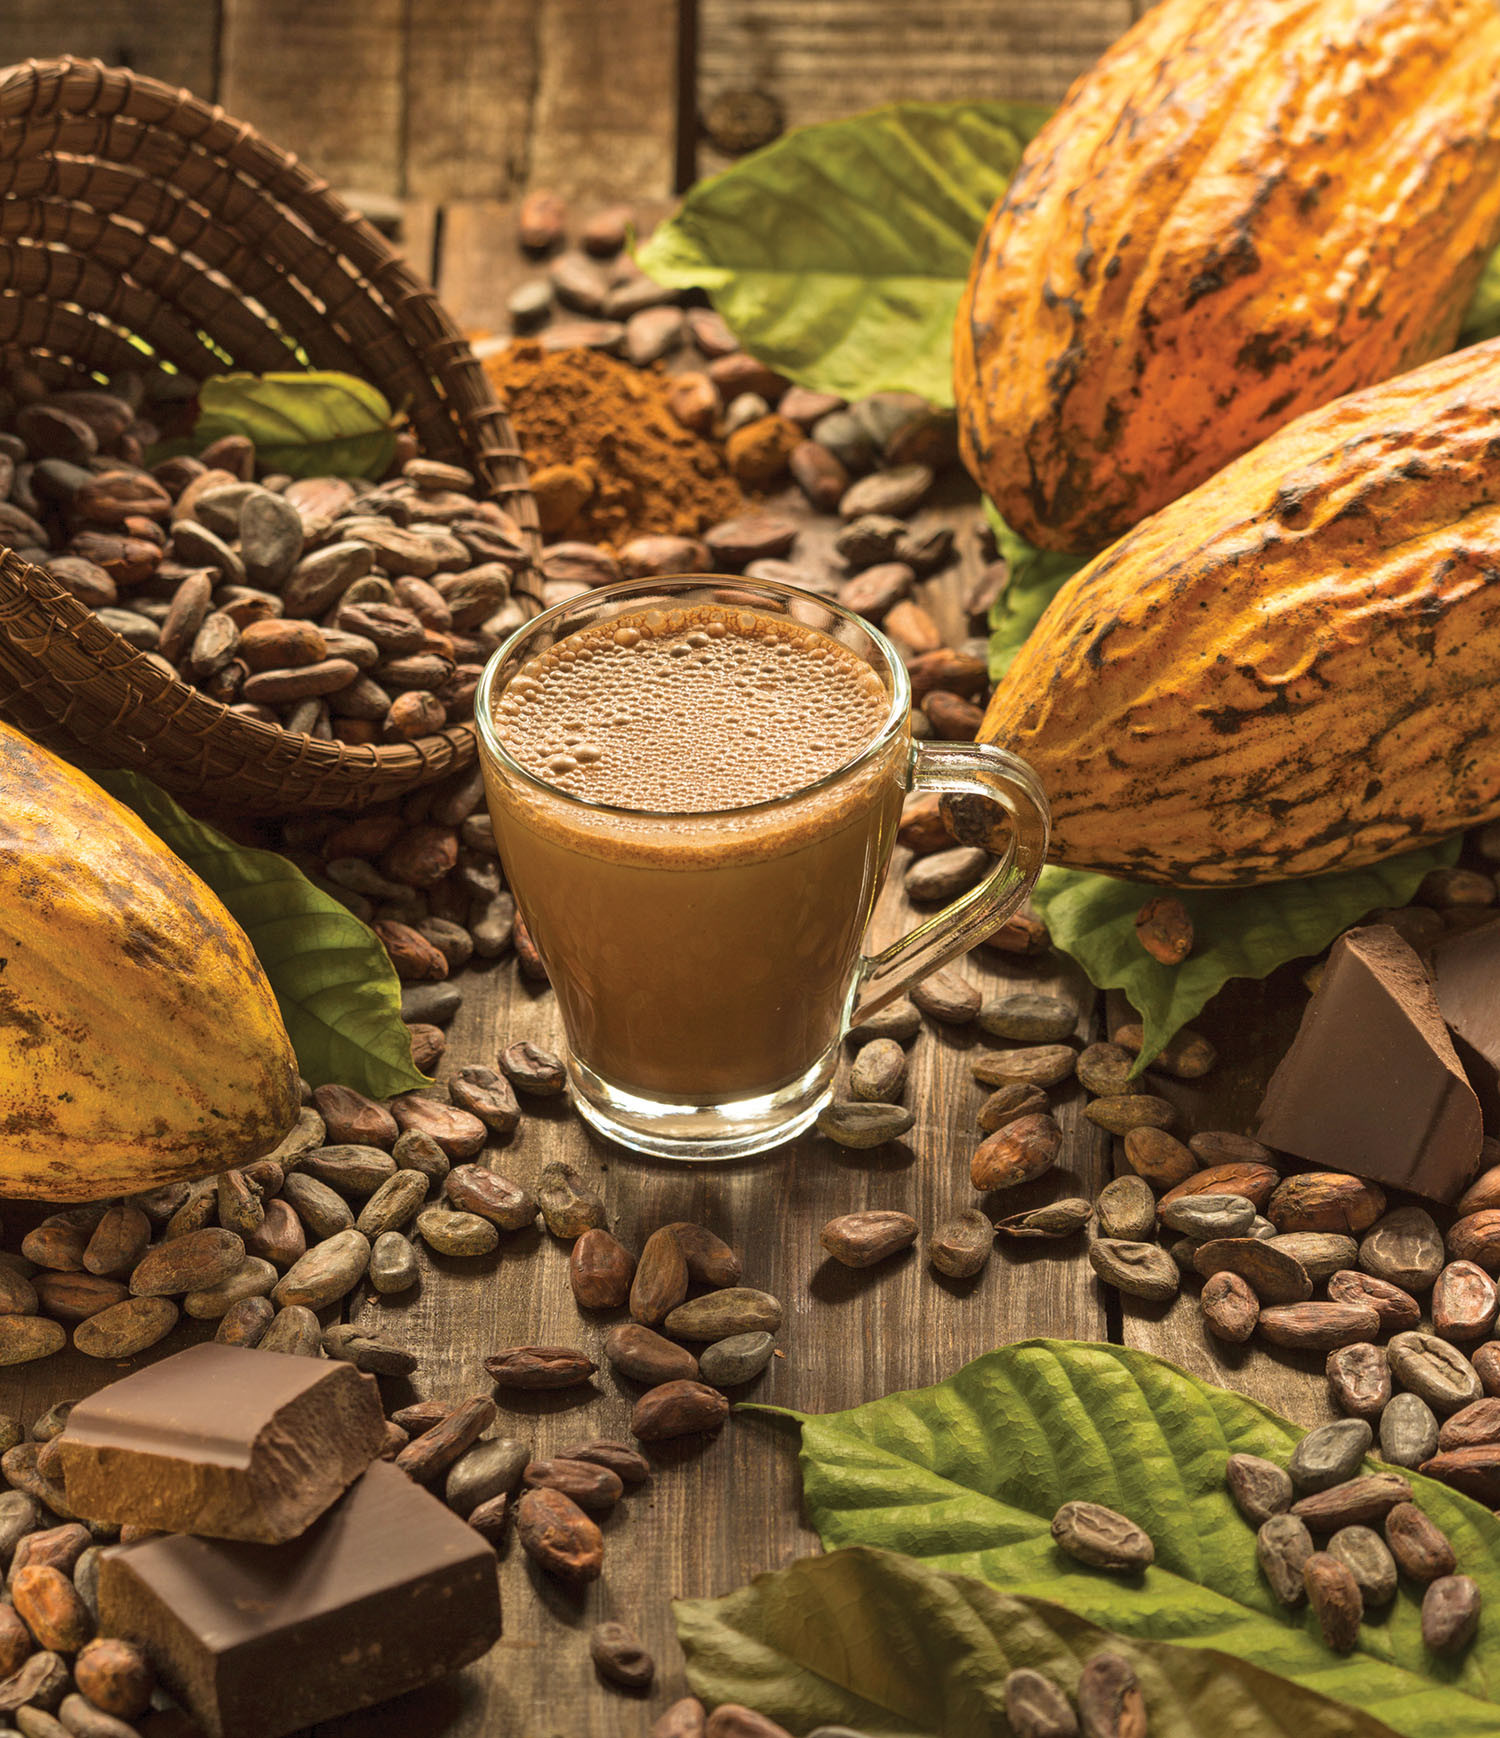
x: 700, y: 900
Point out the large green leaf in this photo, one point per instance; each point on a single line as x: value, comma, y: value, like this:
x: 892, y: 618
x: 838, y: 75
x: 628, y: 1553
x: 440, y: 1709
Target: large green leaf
x: 1034, y: 578
x: 967, y: 1475
x: 312, y: 425
x: 885, y: 1644
x: 838, y: 254
x: 339, y: 998
x: 1239, y: 932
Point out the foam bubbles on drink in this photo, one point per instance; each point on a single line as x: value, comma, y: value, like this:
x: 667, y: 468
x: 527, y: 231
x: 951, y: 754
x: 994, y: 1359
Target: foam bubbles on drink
x: 691, y: 709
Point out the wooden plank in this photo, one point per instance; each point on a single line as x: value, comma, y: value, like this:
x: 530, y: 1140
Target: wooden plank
x: 323, y: 79
x: 822, y: 62
x: 471, y: 80
x: 604, y: 124
x: 1251, y: 1024
x: 174, y: 40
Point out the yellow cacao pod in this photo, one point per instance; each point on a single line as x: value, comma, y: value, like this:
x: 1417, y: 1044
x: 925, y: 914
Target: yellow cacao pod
x: 140, y: 1042
x: 1294, y: 668
x: 1247, y: 208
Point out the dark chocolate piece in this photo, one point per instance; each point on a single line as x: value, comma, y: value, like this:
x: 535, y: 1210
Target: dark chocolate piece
x: 226, y: 1441
x: 1466, y: 976
x: 1371, y: 1083
x: 389, y: 1590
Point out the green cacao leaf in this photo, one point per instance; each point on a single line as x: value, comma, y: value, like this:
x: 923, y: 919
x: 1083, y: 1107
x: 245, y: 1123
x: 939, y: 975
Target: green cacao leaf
x: 838, y: 254
x: 967, y: 1475
x: 885, y: 1644
x: 1238, y: 932
x: 339, y: 997
x: 311, y: 425
x: 1035, y: 578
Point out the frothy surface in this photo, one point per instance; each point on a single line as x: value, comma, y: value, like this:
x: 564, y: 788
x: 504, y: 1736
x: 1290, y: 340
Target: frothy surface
x: 687, y: 710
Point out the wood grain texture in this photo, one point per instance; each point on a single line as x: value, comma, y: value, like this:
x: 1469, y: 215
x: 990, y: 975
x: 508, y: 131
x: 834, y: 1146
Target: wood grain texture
x: 324, y: 79
x: 174, y: 40
x: 822, y: 62
x: 471, y: 82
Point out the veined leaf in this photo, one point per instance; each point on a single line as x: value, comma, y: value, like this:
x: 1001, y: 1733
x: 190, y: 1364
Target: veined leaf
x: 1238, y: 932
x: 892, y: 1647
x: 339, y: 998
x: 311, y: 425
x: 839, y: 253
x: 967, y: 1475
x: 1035, y: 577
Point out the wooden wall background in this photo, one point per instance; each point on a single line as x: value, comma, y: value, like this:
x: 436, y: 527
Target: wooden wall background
x: 435, y: 116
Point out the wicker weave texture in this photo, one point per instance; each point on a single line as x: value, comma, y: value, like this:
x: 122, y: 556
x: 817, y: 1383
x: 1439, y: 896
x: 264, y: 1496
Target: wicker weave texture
x: 133, y: 211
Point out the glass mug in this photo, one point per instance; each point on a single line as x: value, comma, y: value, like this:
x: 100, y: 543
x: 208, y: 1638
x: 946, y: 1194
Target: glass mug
x: 708, y: 964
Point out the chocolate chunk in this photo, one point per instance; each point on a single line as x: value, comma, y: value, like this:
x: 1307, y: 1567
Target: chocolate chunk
x: 1466, y: 979
x: 387, y: 1591
x: 230, y: 1442
x: 1372, y: 1082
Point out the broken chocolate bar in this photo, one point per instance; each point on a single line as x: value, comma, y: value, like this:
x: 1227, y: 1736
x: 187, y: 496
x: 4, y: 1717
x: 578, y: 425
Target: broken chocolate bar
x: 389, y: 1590
x: 1466, y: 976
x: 1371, y: 1083
x: 226, y: 1441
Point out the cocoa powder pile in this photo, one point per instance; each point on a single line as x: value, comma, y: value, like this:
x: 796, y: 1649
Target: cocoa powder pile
x: 608, y: 461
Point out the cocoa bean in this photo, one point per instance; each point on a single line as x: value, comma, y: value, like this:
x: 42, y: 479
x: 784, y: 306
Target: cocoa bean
x: 458, y: 1234
x: 1230, y: 1308
x: 1472, y: 1425
x: 629, y: 1467
x: 1398, y: 1310
x: 190, y: 1263
x: 1126, y: 1208
x: 1368, y: 1559
x: 1102, y: 1537
x: 718, y: 1314
x: 1259, y: 1487
x: 1418, y: 1544
x: 1335, y: 1598
x: 593, y: 1487
x: 1060, y: 1219
x: 1450, y: 1613
x: 677, y: 1409
x: 898, y: 1019
x: 1330, y: 1454
x: 1254, y: 1181
x: 737, y: 1360
x: 1318, y: 1327
x: 863, y: 1125
x: 944, y: 996
x: 26, y: 1338
x: 1187, y: 1056
x: 645, y: 1356
x: 118, y: 1241
x: 476, y: 1189
x: 1464, y: 1302
x: 1327, y: 1201
x: 295, y: 1331
x: 1475, y: 1471
x: 126, y: 1328
x: 1009, y: 1103
x: 349, y: 1169
x: 487, y: 1094
x: 879, y: 1072
x: 1208, y: 1217
x: 710, y: 1260
x: 1037, y: 1708
x: 1274, y: 1276
x: 1355, y: 1503
x: 1165, y: 930
x: 393, y: 1204
x: 48, y: 1604
x: 1430, y: 1367
x: 569, y: 1203
x: 684, y: 1719
x: 539, y: 1367
x: 1018, y: 1153
x: 600, y: 1271
x: 1104, y: 1070
x: 558, y: 1537
x: 435, y: 1450
x: 863, y: 1239
x: 116, y: 1676
x: 330, y: 1270
x: 1408, y: 1431
x: 1360, y: 1378
x: 1405, y: 1248
x: 455, y: 1131
x: 1110, y: 1701
x: 1143, y: 1270
x: 661, y: 1278
x: 1158, y: 1157
x: 1039, y: 1065
x: 961, y: 1246
x: 1029, y: 1019
x: 484, y: 1471
x: 1283, y: 1546
x: 619, y: 1657
x: 531, y: 1069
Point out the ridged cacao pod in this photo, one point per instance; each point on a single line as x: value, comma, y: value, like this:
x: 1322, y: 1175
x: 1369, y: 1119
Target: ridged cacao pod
x: 1244, y: 210
x: 1292, y: 669
x: 141, y: 1040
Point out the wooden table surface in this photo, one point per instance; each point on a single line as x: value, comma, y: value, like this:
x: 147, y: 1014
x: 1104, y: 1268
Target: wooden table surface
x: 719, y: 1510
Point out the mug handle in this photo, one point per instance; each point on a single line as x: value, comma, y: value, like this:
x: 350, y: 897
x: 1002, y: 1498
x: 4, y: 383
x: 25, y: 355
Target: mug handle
x: 975, y: 769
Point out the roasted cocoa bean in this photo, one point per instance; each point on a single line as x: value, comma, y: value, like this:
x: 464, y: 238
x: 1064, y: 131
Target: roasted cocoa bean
x: 1230, y: 1308
x: 570, y: 1204
x: 1283, y: 1546
x: 1430, y: 1367
x: 863, y: 1126
x: 619, y: 1656
x: 645, y: 1356
x: 1330, y: 1454
x: 1398, y: 1310
x: 1126, y: 1209
x: 1038, y: 1065
x: 539, y: 1367
x: 1130, y: 1110
x: 1254, y: 1182
x: 1418, y: 1544
x: 1318, y: 1327
x: 1158, y: 1157
x: 1464, y: 1302
x: 677, y: 1409
x: 558, y: 1537
x: 1368, y: 1559
x: 600, y: 1271
x: 1335, y: 1598
x: 1329, y: 1201
x: 1259, y: 1487
x: 878, y: 1072
x: 1450, y: 1613
x: 1037, y: 1708
x: 1360, y: 1378
x: 961, y: 1246
x: 863, y: 1239
x: 1060, y: 1219
x: 1110, y: 1701
x: 1404, y: 1248
x: 476, y: 1189
x: 1358, y: 1502
x: 738, y: 1309
x: 1274, y: 1276
x: 710, y: 1260
x: 1144, y: 1270
x: 593, y: 1487
x: 1018, y: 1153
x: 1102, y: 1538
x: 1471, y: 1426
x: 1408, y: 1431
x: 1008, y: 1103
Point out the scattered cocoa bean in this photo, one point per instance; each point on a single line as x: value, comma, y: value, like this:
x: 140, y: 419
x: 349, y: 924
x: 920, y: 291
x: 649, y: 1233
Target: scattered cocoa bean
x: 961, y: 1246
x: 1450, y: 1613
x: 1335, y: 1598
x: 1330, y: 1454
x: 1018, y: 1153
x: 558, y: 1537
x: 863, y: 1125
x: 1360, y: 1378
x: 1102, y: 1537
x: 619, y: 1657
x: 863, y: 1239
x: 600, y: 1271
x: 1356, y: 1502
x: 1060, y: 1219
x: 539, y: 1367
x: 1230, y: 1308
x: 1259, y: 1487
x: 1318, y: 1327
x: 645, y: 1356
x: 1418, y: 1544
x: 677, y: 1409
x: 1143, y: 1270
x: 1408, y: 1431
x: 1110, y: 1701
x: 1398, y: 1310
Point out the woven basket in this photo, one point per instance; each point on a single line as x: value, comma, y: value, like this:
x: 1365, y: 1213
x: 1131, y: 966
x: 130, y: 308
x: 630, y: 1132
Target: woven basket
x: 133, y: 210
